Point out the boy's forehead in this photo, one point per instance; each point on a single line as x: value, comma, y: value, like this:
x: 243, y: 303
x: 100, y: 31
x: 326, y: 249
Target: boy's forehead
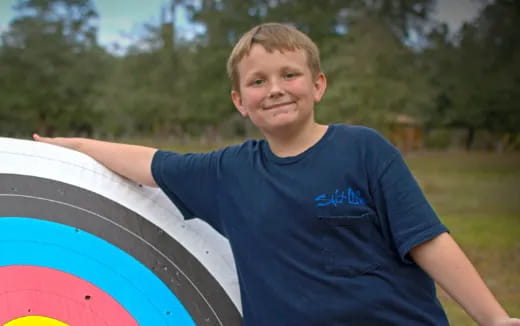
x: 260, y: 48
x: 257, y: 54
x: 260, y: 61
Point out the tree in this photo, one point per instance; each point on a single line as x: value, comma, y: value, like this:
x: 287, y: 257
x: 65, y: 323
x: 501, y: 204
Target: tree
x: 45, y: 55
x: 477, y: 77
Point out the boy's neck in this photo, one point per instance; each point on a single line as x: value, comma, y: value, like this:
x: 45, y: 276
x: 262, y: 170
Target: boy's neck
x: 294, y: 143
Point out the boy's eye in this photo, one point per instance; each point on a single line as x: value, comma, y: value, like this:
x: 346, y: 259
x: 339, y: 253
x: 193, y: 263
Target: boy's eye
x: 257, y: 82
x: 290, y: 75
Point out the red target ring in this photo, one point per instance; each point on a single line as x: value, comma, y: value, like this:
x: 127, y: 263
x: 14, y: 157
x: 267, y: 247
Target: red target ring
x: 42, y: 291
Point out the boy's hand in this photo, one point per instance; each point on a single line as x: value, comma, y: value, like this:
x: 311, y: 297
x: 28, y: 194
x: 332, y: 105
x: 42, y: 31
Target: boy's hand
x: 507, y: 322
x: 71, y: 143
x: 131, y: 161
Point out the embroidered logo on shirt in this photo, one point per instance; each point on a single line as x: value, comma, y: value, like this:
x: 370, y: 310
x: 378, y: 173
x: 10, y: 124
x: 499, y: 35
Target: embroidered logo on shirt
x: 351, y: 197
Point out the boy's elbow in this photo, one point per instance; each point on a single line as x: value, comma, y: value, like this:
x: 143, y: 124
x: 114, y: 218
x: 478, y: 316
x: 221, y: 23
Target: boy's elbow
x: 150, y: 183
x: 145, y: 179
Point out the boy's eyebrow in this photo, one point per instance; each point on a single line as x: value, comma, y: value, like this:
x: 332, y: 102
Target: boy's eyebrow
x: 253, y: 73
x: 259, y: 72
x: 289, y: 67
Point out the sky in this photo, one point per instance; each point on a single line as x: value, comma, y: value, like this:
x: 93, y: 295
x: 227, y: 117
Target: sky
x: 120, y: 19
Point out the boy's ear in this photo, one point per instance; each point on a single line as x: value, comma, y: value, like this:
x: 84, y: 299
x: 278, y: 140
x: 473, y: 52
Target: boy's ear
x: 237, y: 100
x: 320, y: 85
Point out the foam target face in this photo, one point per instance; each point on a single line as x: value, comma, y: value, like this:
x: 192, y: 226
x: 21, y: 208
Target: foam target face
x: 81, y: 246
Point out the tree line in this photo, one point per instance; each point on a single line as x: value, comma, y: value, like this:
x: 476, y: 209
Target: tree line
x: 383, y: 59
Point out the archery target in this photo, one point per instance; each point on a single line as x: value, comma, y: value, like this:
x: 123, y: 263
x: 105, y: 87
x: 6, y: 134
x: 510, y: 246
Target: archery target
x: 80, y: 245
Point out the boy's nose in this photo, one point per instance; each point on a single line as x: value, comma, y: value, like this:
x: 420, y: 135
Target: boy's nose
x: 275, y: 90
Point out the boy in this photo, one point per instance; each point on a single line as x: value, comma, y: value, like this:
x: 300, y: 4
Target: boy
x: 326, y: 223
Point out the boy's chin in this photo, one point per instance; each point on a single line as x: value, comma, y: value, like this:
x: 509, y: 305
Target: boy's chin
x: 280, y: 125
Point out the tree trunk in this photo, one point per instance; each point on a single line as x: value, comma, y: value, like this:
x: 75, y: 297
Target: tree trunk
x: 470, y: 138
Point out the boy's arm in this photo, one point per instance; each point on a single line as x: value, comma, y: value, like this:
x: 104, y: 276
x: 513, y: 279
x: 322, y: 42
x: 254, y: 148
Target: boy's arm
x: 131, y: 161
x: 445, y: 262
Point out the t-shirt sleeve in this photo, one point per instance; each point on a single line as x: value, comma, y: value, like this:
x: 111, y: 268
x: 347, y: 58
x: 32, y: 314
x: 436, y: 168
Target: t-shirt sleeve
x: 191, y: 181
x: 401, y: 204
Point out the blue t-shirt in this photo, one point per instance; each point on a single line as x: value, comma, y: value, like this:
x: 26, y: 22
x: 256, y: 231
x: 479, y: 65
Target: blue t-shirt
x: 321, y: 238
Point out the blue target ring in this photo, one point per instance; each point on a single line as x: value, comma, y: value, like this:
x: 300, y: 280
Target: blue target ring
x: 29, y: 241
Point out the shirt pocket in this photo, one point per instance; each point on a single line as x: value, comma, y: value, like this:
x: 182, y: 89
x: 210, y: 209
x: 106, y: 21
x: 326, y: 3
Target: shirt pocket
x: 350, y: 242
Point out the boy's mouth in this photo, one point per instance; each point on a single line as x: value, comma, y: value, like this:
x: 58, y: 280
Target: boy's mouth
x: 277, y: 105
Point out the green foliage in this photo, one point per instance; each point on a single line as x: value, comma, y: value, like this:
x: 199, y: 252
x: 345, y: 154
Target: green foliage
x: 477, y: 78
x: 380, y: 58
x: 372, y: 75
x: 46, y: 78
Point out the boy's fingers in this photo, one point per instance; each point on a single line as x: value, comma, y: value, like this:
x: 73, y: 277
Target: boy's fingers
x: 52, y: 140
x: 67, y: 142
x: 509, y: 322
x: 37, y: 137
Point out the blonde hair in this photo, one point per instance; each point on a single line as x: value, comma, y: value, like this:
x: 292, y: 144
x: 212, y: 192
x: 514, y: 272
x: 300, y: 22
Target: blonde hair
x: 272, y: 36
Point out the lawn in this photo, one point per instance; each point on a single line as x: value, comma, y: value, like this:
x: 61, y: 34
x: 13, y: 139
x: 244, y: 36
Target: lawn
x: 477, y: 196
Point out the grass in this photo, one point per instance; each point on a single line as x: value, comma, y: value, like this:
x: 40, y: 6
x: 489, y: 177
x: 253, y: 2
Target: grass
x: 477, y: 197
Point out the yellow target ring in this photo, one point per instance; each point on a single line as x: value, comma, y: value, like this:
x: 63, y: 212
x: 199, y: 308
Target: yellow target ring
x: 35, y: 321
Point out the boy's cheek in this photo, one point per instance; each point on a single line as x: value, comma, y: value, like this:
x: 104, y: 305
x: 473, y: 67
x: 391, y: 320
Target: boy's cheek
x: 252, y: 99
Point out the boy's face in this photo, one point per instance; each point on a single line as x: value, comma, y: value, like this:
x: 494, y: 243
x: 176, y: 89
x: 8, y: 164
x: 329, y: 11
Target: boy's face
x: 277, y: 89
